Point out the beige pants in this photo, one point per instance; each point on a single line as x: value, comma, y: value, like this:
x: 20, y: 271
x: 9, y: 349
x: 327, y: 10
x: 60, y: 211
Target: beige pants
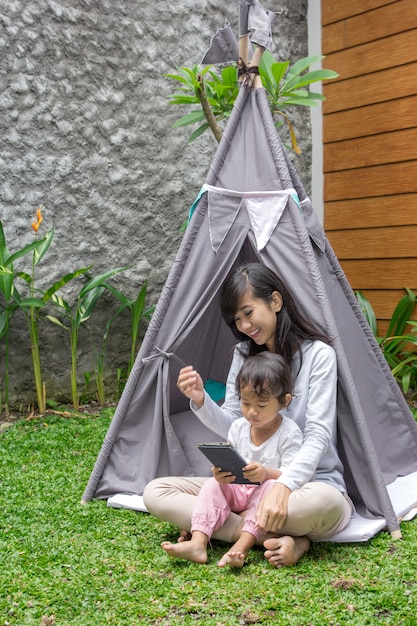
x: 317, y: 510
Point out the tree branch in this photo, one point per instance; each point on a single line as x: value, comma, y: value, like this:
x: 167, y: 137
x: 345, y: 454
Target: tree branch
x: 208, y: 111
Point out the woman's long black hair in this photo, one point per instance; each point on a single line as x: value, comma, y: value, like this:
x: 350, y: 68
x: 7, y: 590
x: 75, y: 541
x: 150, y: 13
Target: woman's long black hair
x: 292, y: 327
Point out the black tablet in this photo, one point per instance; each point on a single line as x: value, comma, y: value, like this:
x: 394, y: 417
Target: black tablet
x: 222, y: 454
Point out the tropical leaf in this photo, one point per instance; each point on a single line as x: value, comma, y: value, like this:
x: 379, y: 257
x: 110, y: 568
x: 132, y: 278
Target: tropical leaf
x: 59, y: 301
x: 367, y: 310
x: 99, y: 280
x: 63, y: 281
x: 179, y: 99
x: 87, y: 304
x: 43, y: 246
x: 56, y: 321
x: 302, y: 64
x: 22, y: 252
x: 26, y: 303
x: 190, y: 118
x: 198, y: 132
x: 402, y: 313
x: 306, y: 79
x: 139, y: 304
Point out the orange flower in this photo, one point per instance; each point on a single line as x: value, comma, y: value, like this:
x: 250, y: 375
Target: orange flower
x: 39, y: 219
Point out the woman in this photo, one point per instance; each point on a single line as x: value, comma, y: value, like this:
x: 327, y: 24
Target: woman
x: 309, y: 500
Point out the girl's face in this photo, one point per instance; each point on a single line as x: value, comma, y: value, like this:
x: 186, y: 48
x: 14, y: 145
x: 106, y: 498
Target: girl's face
x: 262, y: 412
x: 258, y: 319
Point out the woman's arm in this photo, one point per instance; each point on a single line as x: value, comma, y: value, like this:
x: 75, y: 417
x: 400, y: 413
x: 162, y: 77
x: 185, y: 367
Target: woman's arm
x: 318, y: 388
x: 220, y: 418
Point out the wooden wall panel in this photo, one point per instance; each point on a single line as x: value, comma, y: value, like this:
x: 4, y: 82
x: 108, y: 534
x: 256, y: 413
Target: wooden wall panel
x: 390, y: 84
x: 384, y: 242
x: 352, y: 31
x: 389, y: 210
x: 371, y: 120
x: 374, y: 150
x: 368, y: 182
x: 370, y: 146
x: 374, y: 56
x: 335, y: 10
x: 386, y: 273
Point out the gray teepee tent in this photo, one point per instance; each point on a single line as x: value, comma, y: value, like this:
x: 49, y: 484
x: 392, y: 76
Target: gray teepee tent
x: 253, y: 207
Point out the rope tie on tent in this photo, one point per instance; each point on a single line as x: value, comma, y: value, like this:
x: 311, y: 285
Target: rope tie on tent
x: 247, y: 73
x: 167, y: 355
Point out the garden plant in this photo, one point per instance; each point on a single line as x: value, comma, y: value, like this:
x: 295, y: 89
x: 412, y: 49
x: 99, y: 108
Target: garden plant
x: 47, y: 304
x: 215, y: 93
x: 399, y: 344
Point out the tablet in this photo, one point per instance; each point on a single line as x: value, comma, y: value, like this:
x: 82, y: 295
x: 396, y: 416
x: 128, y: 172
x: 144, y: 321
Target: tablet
x: 224, y: 455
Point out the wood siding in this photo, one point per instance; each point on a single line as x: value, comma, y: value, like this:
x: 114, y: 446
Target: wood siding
x: 370, y: 146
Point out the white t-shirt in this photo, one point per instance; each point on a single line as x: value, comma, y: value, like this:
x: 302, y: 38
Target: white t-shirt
x: 276, y: 452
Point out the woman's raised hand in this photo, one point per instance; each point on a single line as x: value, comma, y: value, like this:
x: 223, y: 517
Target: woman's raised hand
x: 191, y: 385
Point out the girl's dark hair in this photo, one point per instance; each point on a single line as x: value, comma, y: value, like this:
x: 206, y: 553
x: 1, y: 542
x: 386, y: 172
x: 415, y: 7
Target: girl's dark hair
x: 266, y: 374
x: 261, y: 282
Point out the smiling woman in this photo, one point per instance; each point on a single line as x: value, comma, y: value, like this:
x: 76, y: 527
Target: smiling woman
x: 310, y: 493
x: 256, y: 318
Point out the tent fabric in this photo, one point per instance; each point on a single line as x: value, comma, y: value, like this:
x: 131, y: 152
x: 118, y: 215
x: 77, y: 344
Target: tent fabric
x: 153, y: 433
x: 253, y: 20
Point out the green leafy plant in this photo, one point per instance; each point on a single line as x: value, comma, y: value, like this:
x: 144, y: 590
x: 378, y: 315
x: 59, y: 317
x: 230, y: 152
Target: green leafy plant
x: 215, y: 94
x: 399, y: 344
x: 32, y: 304
x: 7, y: 288
x: 368, y: 311
x: 138, y: 313
x: 71, y: 318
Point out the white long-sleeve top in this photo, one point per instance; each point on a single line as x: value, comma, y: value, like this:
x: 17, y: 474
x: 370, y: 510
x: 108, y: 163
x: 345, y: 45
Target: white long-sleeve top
x: 276, y: 452
x: 313, y: 409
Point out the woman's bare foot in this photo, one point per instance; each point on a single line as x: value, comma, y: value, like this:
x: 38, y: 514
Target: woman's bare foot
x: 184, y: 536
x: 233, y: 559
x: 190, y: 550
x: 284, y: 551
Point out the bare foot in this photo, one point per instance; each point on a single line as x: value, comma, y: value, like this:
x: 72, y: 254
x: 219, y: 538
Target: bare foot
x: 284, y: 551
x: 233, y: 559
x: 184, y: 536
x: 190, y: 550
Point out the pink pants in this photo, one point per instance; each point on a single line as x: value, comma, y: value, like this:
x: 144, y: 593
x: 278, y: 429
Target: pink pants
x: 316, y: 510
x: 216, y: 501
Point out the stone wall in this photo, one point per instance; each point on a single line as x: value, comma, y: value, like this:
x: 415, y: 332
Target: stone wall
x: 87, y: 132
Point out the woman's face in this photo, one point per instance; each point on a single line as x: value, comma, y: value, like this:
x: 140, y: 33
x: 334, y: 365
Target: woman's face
x: 257, y: 319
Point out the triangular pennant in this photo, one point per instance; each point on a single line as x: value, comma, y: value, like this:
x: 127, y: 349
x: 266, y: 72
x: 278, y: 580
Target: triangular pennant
x: 264, y: 214
x: 223, y: 47
x: 222, y: 212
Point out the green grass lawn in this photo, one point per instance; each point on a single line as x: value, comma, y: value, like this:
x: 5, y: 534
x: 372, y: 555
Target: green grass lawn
x: 68, y: 564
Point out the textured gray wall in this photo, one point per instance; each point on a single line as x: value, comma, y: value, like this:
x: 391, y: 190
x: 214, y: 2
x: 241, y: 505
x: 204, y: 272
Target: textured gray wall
x: 87, y: 131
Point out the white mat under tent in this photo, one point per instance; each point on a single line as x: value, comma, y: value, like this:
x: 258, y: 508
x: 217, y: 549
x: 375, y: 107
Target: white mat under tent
x: 402, y: 492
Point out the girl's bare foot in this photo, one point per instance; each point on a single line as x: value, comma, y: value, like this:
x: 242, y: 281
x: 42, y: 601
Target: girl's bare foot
x: 284, y: 551
x: 233, y: 559
x: 190, y: 550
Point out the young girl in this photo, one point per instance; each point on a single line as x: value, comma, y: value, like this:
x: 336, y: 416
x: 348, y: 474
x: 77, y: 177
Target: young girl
x: 308, y: 501
x: 263, y: 435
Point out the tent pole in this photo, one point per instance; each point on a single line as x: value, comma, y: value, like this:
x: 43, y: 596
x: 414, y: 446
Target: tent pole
x: 243, y: 48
